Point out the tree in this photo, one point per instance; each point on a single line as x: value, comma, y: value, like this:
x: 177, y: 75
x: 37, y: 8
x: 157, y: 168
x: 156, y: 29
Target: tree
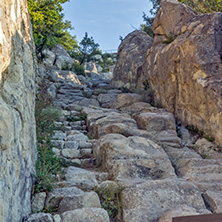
x: 49, y: 28
x: 202, y: 6
x: 87, y: 48
x: 147, y: 27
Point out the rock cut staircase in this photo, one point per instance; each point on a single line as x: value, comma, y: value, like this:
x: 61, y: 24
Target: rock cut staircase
x: 125, y: 142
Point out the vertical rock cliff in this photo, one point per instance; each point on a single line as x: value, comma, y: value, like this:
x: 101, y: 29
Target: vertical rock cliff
x: 183, y: 65
x: 17, y: 103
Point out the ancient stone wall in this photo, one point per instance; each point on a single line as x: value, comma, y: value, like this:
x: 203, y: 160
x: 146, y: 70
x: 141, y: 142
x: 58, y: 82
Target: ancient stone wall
x: 17, y: 103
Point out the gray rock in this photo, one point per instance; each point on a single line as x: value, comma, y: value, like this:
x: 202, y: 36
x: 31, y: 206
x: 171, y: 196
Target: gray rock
x: 106, y: 100
x: 59, y: 136
x: 38, y: 202
x: 81, y: 177
x: 86, y: 215
x: 39, y: 217
x: 49, y: 57
x: 52, y: 91
x: 56, y: 151
x: 132, y: 158
x: 97, y: 58
x: 126, y: 99
x: 62, y: 57
x: 71, y: 144
x: 156, y: 121
x: 149, y: 200
x: 213, y: 201
x: 79, y: 137
x: 179, y: 211
x: 58, y: 143
x: 70, y: 153
x: 86, y: 145
x: 85, y: 151
x: 91, y: 67
x: 71, y: 198
x: 130, y: 58
x: 57, y: 218
x: 88, y: 102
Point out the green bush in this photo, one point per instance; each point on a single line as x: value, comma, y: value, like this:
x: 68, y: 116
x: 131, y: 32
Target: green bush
x: 78, y: 69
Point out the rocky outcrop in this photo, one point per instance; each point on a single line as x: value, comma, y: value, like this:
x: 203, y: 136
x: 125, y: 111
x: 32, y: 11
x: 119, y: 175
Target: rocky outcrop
x: 58, y: 56
x: 183, y: 66
x: 17, y: 100
x: 131, y: 55
x: 185, y: 72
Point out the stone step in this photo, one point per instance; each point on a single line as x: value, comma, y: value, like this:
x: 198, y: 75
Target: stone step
x: 205, y: 178
x: 86, y: 215
x: 71, y: 198
x: 211, y: 186
x: 186, y: 167
x: 213, y: 201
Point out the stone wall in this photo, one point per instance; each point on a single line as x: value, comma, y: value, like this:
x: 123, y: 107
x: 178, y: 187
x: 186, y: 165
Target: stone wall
x: 17, y: 103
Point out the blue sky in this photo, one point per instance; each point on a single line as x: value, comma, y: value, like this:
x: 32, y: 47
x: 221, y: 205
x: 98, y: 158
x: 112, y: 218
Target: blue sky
x: 105, y: 20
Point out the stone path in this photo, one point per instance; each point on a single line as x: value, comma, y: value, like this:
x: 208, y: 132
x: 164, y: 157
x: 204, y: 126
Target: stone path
x: 110, y: 138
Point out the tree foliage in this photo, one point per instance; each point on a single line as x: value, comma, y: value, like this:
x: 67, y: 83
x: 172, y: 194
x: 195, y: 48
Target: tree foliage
x: 202, y: 6
x: 49, y: 28
x: 147, y: 27
x: 87, y: 48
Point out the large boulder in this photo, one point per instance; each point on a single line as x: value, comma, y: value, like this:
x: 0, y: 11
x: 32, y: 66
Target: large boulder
x: 132, y: 158
x: 148, y: 201
x: 17, y: 107
x: 62, y: 58
x: 184, y: 66
x: 130, y: 58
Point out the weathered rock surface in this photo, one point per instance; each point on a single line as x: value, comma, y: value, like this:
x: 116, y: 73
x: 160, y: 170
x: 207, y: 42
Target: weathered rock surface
x: 17, y: 104
x: 130, y: 58
x: 149, y: 200
x: 38, y: 202
x: 62, y: 58
x: 180, y: 211
x: 213, y: 200
x: 71, y: 198
x: 126, y: 99
x: 86, y: 215
x: 132, y: 158
x: 40, y: 217
x: 186, y: 73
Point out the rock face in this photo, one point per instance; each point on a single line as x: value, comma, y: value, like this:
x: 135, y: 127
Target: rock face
x: 186, y: 73
x: 131, y: 56
x: 17, y: 100
x: 183, y: 65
